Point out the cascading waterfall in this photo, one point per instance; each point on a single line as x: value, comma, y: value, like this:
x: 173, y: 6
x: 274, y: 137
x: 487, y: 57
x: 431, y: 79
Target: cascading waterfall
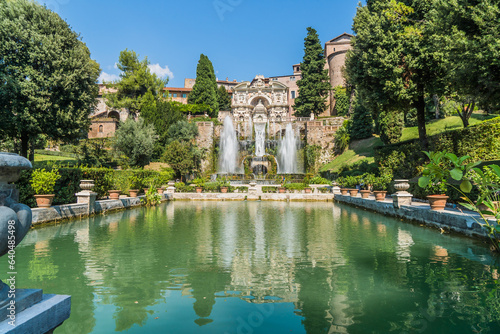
x: 260, y: 138
x: 288, y: 151
x: 228, y: 148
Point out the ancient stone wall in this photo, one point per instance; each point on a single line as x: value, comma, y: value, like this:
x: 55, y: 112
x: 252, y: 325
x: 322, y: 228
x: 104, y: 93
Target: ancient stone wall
x: 102, y: 128
x: 205, y: 140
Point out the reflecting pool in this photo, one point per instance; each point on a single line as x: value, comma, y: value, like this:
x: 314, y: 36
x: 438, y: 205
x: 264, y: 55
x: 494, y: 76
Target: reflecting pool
x: 261, y: 267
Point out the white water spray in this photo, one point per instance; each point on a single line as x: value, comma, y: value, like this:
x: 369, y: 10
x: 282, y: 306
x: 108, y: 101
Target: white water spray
x: 228, y: 148
x: 260, y: 139
x: 288, y: 151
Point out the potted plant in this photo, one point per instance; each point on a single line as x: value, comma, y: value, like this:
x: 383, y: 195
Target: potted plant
x: 282, y: 180
x: 434, y: 177
x: 135, y: 185
x: 342, y: 182
x: 114, y: 192
x: 380, y: 185
x: 351, y: 183
x: 43, y: 183
x: 199, y: 183
x: 224, y: 185
x: 366, y: 184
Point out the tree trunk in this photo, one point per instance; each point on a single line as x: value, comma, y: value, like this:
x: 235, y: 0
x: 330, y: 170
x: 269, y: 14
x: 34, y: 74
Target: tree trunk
x: 422, y: 132
x: 436, y: 104
x: 24, y: 144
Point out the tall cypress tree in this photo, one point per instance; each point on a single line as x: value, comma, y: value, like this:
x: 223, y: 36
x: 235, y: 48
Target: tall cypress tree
x: 224, y: 99
x: 315, y: 84
x: 205, y: 89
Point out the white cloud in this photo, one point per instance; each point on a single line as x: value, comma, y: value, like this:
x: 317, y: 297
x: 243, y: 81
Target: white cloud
x: 107, y: 77
x: 115, y: 66
x: 160, y: 71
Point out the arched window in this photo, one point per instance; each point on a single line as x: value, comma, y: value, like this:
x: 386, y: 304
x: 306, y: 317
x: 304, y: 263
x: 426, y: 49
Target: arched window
x: 100, y: 128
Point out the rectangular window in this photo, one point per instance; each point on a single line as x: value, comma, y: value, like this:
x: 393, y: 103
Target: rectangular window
x: 292, y: 78
x: 175, y: 94
x: 169, y: 94
x: 184, y: 95
x: 293, y: 94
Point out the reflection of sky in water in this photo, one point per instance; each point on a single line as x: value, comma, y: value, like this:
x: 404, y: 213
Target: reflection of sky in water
x: 224, y: 267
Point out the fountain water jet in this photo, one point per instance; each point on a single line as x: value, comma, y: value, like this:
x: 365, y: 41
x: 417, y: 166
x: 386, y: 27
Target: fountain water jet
x: 228, y: 148
x: 288, y: 151
x: 260, y: 138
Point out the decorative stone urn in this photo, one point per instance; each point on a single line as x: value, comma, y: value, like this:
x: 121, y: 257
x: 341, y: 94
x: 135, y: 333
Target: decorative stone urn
x: 401, y: 197
x: 87, y: 185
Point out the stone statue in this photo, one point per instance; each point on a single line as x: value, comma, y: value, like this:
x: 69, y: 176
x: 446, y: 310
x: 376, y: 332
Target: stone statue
x: 15, y: 218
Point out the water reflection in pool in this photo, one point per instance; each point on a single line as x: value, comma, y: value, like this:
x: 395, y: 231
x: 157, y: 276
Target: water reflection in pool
x: 259, y: 267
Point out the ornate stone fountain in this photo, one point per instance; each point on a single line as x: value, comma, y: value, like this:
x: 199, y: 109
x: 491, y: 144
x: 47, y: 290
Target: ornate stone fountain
x: 21, y: 310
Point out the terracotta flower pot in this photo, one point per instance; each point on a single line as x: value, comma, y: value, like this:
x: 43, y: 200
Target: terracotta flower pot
x: 437, y: 202
x: 160, y: 190
x: 199, y: 189
x: 146, y: 190
x: 223, y: 189
x: 307, y: 190
x: 379, y: 195
x: 44, y: 201
x: 344, y: 191
x: 281, y: 190
x: 114, y: 194
x: 133, y: 192
x: 365, y: 193
x: 353, y: 192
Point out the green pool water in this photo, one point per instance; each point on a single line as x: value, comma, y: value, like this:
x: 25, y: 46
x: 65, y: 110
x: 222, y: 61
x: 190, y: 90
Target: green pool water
x: 261, y: 267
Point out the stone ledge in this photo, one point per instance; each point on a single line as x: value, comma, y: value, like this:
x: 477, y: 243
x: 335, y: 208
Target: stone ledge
x: 40, y: 318
x: 452, y: 219
x: 68, y: 211
x: 251, y: 196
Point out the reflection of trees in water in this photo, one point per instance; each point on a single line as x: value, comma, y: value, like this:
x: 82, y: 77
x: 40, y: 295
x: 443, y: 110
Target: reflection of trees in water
x: 341, y: 273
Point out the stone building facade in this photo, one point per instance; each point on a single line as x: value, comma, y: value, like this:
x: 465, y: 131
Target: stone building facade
x: 260, y: 101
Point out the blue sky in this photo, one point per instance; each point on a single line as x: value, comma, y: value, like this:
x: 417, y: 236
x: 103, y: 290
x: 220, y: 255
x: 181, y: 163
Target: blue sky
x: 242, y: 38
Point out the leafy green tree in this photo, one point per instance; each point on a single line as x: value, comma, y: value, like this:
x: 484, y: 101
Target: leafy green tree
x: 134, y: 142
x: 47, y: 78
x: 136, y: 80
x: 391, y: 126
x: 396, y: 60
x: 341, y: 100
x: 161, y: 114
x: 314, y: 85
x: 182, y: 131
x: 205, y: 88
x: 361, y: 123
x: 224, y: 99
x: 183, y: 157
x: 342, y: 137
x: 472, y: 45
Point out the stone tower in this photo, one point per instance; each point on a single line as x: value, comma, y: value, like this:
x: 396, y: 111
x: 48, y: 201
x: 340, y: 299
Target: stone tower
x: 335, y: 53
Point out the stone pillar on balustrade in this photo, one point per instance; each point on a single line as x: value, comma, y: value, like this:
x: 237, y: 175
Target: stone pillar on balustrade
x: 86, y: 195
x: 402, y: 196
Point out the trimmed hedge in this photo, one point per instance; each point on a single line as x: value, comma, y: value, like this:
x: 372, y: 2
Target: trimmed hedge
x: 69, y: 183
x: 404, y: 160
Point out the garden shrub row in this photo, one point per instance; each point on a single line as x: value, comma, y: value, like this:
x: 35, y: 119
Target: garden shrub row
x: 404, y: 160
x: 104, y: 179
x: 56, y: 153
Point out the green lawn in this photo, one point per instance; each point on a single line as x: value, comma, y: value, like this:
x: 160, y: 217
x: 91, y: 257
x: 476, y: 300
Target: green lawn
x: 446, y: 124
x: 43, y: 157
x: 360, y: 150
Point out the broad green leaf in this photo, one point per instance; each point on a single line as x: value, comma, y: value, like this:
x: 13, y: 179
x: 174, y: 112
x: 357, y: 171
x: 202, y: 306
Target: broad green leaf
x: 423, y: 181
x: 466, y: 186
x: 456, y: 174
